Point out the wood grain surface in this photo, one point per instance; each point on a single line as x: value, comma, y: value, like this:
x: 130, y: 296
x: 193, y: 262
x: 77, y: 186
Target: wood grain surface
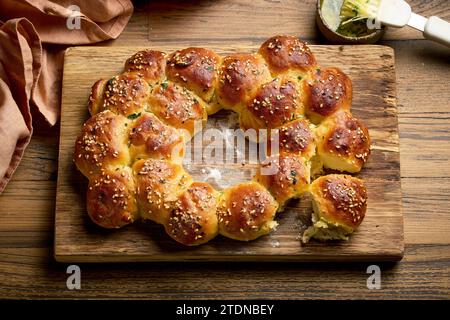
x: 379, y: 238
x: 27, y: 206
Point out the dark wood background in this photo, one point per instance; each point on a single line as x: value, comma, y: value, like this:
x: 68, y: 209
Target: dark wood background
x: 27, y: 268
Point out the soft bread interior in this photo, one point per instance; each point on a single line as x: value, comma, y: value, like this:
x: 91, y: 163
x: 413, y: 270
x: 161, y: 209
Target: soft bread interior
x: 316, y: 166
x: 338, y: 163
x: 323, y: 230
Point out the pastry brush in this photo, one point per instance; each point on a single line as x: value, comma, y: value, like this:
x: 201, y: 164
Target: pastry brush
x: 396, y: 13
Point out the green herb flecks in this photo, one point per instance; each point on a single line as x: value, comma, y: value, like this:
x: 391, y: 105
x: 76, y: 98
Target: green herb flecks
x: 134, y: 116
x: 294, y: 177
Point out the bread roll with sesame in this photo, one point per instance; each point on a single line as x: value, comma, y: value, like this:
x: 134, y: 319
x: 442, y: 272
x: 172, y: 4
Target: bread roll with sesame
x: 131, y: 149
x: 158, y: 183
x: 151, y: 138
x: 339, y: 203
x: 326, y: 91
x: 287, y: 55
x: 297, y: 138
x: 274, y: 104
x: 126, y: 94
x: 102, y: 144
x: 195, y: 69
x: 246, y: 211
x: 149, y: 65
x: 178, y: 107
x: 343, y: 143
x: 240, y: 76
x: 193, y: 219
x: 285, y: 176
x: 111, y: 201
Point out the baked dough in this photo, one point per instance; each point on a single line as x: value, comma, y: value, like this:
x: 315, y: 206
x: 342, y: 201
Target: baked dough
x: 132, y: 147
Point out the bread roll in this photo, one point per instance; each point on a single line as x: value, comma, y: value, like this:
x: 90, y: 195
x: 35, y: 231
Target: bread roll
x: 125, y: 94
x: 102, y: 144
x: 298, y: 138
x: 193, y: 219
x: 290, y: 179
x: 151, y: 138
x: 149, y: 65
x: 195, y: 69
x: 343, y: 143
x: 131, y: 149
x: 339, y: 203
x: 326, y: 91
x: 246, y: 212
x: 178, y: 107
x: 273, y: 105
x: 158, y: 183
x: 111, y: 201
x: 240, y: 75
x: 287, y: 55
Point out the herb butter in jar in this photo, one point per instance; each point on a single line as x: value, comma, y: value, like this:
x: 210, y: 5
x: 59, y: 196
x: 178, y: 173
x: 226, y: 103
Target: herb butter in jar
x: 338, y: 30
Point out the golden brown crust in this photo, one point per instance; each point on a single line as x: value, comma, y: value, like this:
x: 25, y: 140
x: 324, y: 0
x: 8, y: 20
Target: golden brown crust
x: 326, y: 91
x: 132, y: 148
x: 287, y: 53
x: 177, y: 107
x: 95, y: 98
x: 240, y: 75
x: 246, y: 212
x: 102, y: 144
x: 341, y: 200
x: 284, y: 176
x: 196, y: 69
x: 147, y: 64
x: 111, y: 201
x: 125, y: 94
x: 274, y: 104
x: 193, y: 219
x: 158, y: 183
x: 151, y: 138
x: 297, y: 138
x: 344, y: 143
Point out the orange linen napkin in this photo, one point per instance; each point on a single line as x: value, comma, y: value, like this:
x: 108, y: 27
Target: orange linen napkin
x: 33, y: 35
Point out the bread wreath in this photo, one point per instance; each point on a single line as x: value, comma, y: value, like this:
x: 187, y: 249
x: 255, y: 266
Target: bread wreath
x: 131, y: 149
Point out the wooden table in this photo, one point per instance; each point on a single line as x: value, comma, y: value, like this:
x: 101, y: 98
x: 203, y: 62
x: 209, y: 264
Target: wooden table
x: 27, y: 268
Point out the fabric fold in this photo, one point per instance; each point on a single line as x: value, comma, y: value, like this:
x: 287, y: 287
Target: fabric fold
x: 33, y: 37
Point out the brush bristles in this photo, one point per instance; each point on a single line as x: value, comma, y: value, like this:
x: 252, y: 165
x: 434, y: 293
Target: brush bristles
x: 354, y: 10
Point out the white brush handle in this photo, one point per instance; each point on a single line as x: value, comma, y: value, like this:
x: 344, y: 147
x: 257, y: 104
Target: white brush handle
x: 437, y: 30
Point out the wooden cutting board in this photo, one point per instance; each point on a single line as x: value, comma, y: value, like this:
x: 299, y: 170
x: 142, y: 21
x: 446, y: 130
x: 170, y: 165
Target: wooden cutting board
x: 379, y: 238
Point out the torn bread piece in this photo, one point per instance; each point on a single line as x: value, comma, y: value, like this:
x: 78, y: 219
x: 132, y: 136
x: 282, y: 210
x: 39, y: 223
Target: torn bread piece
x: 339, y: 204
